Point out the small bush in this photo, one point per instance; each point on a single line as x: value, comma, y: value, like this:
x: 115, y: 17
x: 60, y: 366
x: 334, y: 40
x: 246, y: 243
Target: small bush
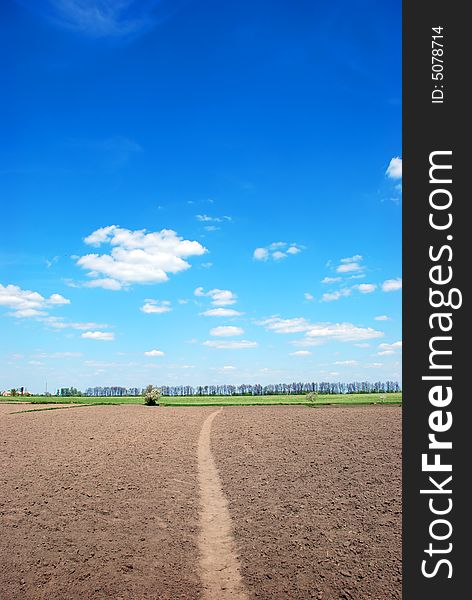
x: 152, y: 396
x: 312, y: 397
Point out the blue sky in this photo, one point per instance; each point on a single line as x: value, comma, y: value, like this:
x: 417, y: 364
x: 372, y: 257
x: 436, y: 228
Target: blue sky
x: 200, y: 192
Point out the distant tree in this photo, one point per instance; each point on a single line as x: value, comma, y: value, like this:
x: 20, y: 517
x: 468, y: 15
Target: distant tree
x: 13, y: 392
x: 312, y: 397
x: 152, y: 395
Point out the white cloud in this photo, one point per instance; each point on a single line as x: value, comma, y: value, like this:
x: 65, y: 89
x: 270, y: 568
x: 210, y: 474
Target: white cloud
x: 346, y: 362
x: 26, y: 303
x: 394, y: 169
x: 344, y: 332
x: 226, y: 331
x: 207, y: 219
x: 331, y: 279
x: 389, y: 349
x: 351, y: 259
x: 278, y: 325
x: 136, y: 257
x: 261, y: 254
x: 218, y: 297
x: 105, y: 282
x: 61, y: 323
x: 57, y: 299
x: 349, y: 267
x: 392, y: 285
x: 154, y: 353
x: 300, y: 353
x: 333, y: 296
x: 155, y: 306
x: 382, y: 318
x: 104, y: 336
x: 277, y: 251
x: 101, y: 18
x: 53, y: 261
x: 366, y: 288
x: 221, y: 312
x: 228, y: 368
x: 309, y: 297
x: 230, y: 345
x: 350, y: 264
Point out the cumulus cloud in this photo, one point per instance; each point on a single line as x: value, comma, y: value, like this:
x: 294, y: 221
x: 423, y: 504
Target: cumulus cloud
x: 300, y: 353
x: 346, y: 362
x: 394, y: 169
x: 136, y: 257
x: 261, y: 254
x: 218, y: 297
x: 221, y: 312
x: 333, y: 296
x: 392, y: 285
x: 389, y: 349
x: 278, y: 325
x: 155, y: 306
x: 26, y: 303
x: 226, y: 331
x: 366, y: 288
x: 276, y: 251
x: 319, y: 332
x: 154, y: 353
x: 309, y: 297
x: 382, y: 318
x: 331, y: 280
x: 105, y: 282
x: 103, y: 336
x: 231, y: 345
x: 352, y: 259
x: 349, y: 267
x: 344, y: 332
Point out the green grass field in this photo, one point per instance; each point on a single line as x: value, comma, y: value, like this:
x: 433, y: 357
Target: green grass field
x: 345, y: 399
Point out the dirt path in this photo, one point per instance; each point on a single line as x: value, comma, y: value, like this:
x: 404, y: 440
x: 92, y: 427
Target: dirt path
x: 219, y: 563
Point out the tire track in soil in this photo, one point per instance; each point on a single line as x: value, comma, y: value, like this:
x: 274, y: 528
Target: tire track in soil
x: 219, y: 564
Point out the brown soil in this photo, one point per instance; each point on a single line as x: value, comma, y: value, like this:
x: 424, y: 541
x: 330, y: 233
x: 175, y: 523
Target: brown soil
x: 315, y: 498
x: 109, y: 501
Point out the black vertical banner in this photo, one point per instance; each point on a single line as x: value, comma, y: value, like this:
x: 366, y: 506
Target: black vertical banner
x: 436, y: 250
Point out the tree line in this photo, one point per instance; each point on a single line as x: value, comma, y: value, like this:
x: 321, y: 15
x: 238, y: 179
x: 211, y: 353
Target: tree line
x: 324, y: 387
